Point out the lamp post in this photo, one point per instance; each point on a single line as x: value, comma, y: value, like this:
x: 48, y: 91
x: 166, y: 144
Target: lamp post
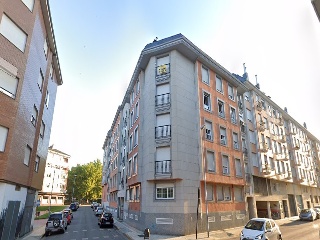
x: 74, y: 180
x: 204, y: 170
x: 54, y: 172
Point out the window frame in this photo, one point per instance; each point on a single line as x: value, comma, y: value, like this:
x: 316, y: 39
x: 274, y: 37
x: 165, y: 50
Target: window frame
x: 169, y: 189
x: 207, y: 107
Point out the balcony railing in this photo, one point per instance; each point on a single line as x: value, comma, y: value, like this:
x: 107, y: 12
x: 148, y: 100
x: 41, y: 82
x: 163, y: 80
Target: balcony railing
x: 163, y: 167
x: 162, y: 69
x: 282, y: 156
x: 162, y: 100
x: 264, y: 147
x: 163, y: 131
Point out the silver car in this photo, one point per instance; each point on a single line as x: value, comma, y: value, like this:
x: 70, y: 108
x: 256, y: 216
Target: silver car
x: 57, y: 222
x: 261, y: 228
x: 308, y: 214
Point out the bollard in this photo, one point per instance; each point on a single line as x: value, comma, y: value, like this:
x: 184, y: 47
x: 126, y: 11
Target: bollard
x: 146, y: 233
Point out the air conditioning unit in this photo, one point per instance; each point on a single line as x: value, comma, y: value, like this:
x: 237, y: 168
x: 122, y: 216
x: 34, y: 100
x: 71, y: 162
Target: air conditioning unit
x: 227, y: 198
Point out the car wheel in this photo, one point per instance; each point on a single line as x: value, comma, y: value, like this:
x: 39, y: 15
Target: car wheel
x: 279, y: 237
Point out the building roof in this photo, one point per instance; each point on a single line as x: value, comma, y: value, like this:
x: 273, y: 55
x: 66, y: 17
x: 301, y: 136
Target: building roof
x: 51, y: 149
x: 316, y: 6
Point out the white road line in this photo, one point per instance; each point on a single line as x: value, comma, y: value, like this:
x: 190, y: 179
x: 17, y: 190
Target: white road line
x: 84, y: 230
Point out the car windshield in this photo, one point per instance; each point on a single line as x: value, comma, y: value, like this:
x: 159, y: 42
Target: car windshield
x: 107, y: 215
x: 305, y: 210
x: 255, y: 225
x: 55, y: 216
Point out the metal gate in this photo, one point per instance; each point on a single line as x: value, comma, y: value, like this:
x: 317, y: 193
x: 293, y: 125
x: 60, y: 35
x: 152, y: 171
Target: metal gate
x: 27, y: 213
x: 10, y: 221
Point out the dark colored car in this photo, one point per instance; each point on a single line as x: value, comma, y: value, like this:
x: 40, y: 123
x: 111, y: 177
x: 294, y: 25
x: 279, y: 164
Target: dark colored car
x: 106, y: 219
x: 73, y: 207
x: 308, y: 214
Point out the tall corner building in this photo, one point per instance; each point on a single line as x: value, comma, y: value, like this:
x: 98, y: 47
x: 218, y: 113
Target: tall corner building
x: 194, y: 147
x: 29, y: 77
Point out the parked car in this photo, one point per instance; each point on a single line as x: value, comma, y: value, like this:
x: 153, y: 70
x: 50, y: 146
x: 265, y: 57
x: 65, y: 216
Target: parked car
x: 57, y: 222
x: 308, y: 214
x: 93, y: 204
x: 77, y: 204
x: 98, y: 211
x: 106, y: 219
x: 317, y: 210
x: 261, y: 228
x: 68, y: 217
x: 69, y: 211
x: 73, y: 207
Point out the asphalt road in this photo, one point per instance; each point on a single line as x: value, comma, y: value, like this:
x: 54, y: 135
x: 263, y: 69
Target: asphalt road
x: 84, y: 226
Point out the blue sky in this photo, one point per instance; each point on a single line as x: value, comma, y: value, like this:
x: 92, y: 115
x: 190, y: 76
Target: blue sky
x: 99, y: 43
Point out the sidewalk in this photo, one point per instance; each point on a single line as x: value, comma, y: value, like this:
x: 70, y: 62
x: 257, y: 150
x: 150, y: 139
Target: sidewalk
x: 38, y: 230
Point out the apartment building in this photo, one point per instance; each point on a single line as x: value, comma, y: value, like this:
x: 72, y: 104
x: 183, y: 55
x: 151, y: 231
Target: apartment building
x: 54, y: 186
x: 316, y: 6
x: 29, y: 77
x: 281, y: 158
x: 174, y: 147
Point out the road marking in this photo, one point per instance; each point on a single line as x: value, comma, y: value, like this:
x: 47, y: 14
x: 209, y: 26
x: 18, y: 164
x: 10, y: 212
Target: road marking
x: 84, y: 230
x: 95, y: 238
x: 75, y: 231
x: 85, y: 238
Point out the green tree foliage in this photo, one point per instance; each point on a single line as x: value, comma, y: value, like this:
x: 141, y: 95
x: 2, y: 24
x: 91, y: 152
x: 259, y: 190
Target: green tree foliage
x: 84, y: 181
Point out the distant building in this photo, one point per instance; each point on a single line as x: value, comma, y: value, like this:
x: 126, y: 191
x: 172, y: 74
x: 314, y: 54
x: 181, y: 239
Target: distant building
x: 188, y: 129
x: 29, y: 77
x: 54, y: 187
x: 316, y: 6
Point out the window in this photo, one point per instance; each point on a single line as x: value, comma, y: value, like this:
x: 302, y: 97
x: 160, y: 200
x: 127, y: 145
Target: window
x: 27, y: 155
x: 137, y: 193
x: 230, y: 92
x: 235, y: 140
x: 129, y: 169
x: 29, y: 4
x: 265, y: 120
x: 210, y: 192
x: 225, y: 165
x: 36, y: 164
x: 45, y: 47
x: 223, y: 136
x: 206, y: 101
x: 135, y: 164
x: 13, y: 33
x: 205, y: 75
x: 137, y: 110
x: 130, y: 143
x: 268, y: 142
x: 252, y: 137
x: 254, y: 160
x: 221, y: 109
x: 233, y: 115
x: 163, y: 66
x: 223, y: 193
x: 208, y: 129
x: 40, y: 80
x: 3, y: 137
x: 238, y: 194
x: 246, y: 97
x: 34, y: 116
x: 136, y: 136
x: 211, y: 162
x: 138, y: 86
x: 219, y: 84
x: 238, y: 167
x: 163, y: 160
x: 8, y: 83
x: 164, y: 191
x: 131, y: 118
x: 249, y: 115
x: 42, y: 129
x: 51, y: 71
x: 47, y: 99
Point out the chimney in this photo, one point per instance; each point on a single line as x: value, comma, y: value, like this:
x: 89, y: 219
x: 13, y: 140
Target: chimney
x: 285, y: 109
x: 257, y: 84
x: 305, y: 125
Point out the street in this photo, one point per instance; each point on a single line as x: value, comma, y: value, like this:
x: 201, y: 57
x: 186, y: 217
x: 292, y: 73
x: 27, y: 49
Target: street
x: 84, y: 225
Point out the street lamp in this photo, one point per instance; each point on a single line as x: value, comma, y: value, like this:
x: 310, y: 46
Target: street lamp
x: 74, y: 180
x: 54, y: 172
x: 204, y: 170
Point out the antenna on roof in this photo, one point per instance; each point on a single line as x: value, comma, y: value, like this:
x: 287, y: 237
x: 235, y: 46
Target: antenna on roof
x: 244, y: 68
x: 155, y: 39
x: 245, y: 75
x: 257, y: 84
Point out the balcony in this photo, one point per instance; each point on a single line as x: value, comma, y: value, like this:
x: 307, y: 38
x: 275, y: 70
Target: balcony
x: 297, y: 163
x: 163, y: 133
x: 282, y: 139
x: 163, y: 72
x: 163, y: 101
x: 280, y: 121
x: 289, y: 176
x: 266, y: 169
x: 264, y: 147
x: 282, y: 157
x: 259, y: 106
x: 163, y: 167
x: 261, y: 126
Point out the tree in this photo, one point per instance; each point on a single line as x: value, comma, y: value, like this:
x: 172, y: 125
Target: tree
x: 84, y: 181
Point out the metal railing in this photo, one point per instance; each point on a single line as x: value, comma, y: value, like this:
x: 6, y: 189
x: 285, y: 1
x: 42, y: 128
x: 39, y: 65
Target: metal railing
x: 162, y: 99
x: 163, y: 167
x: 162, y: 69
x: 163, y: 131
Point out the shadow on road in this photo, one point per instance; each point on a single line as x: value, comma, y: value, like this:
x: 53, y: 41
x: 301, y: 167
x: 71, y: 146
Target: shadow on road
x: 298, y: 222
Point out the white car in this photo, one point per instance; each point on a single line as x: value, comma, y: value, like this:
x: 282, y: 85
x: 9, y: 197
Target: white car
x: 98, y: 211
x: 261, y: 229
